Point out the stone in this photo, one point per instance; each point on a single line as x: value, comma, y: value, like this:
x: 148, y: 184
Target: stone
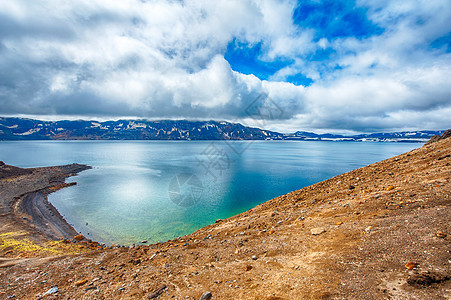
x: 411, y: 265
x: 369, y: 229
x: 339, y: 223
x: 390, y: 188
x: 144, y: 242
x: 317, y: 231
x: 81, y: 282
x: 427, y: 278
x: 79, y: 237
x: 53, y: 290
x: 441, y: 234
x: 206, y: 296
x: 157, y: 292
x: 254, y: 257
x: 248, y: 268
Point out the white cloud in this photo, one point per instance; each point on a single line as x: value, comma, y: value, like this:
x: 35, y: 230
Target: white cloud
x: 165, y: 59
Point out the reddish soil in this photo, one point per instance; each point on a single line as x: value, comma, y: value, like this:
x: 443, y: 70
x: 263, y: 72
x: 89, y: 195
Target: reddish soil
x: 379, y: 232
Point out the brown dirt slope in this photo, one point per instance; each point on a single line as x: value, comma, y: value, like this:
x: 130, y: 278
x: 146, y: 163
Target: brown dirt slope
x: 379, y: 232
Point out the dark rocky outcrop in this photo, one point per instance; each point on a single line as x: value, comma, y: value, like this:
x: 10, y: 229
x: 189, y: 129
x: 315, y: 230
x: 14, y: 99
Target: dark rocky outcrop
x: 446, y: 134
x: 7, y: 171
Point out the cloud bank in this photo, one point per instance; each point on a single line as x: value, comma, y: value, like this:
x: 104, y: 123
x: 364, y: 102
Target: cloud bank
x: 328, y: 65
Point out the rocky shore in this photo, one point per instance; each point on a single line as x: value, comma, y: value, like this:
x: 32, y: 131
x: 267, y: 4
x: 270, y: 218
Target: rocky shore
x: 25, y: 213
x: 378, y: 232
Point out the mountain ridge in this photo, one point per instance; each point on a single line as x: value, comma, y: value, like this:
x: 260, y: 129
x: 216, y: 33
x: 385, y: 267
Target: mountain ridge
x: 139, y: 129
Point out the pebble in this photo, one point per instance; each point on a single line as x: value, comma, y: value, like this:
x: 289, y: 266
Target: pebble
x: 81, y: 282
x: 254, y: 257
x: 79, y: 237
x: 441, y: 234
x: 248, y: 268
x: 157, y: 292
x: 411, y: 265
x: 53, y: 290
x: 206, y: 296
x: 317, y: 231
x: 390, y: 188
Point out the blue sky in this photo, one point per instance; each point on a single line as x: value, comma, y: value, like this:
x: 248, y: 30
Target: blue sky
x: 335, y: 66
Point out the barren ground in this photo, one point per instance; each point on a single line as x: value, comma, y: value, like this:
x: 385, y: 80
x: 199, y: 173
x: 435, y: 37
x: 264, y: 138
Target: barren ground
x: 379, y: 232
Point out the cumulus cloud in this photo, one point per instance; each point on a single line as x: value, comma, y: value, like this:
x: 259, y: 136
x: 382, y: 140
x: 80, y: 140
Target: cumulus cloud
x: 165, y: 59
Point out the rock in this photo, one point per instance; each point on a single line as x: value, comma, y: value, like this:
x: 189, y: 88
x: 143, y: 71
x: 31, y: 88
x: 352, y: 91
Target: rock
x: 433, y: 139
x: 90, y: 288
x: 2, y: 163
x: 351, y: 187
x: 144, y: 242
x: 446, y: 134
x: 411, y: 265
x: 390, y: 188
x: 254, y: 257
x: 218, y: 220
x: 81, y: 282
x: 441, y: 234
x: 157, y: 292
x: 339, y: 223
x: 53, y: 290
x: 271, y: 231
x: 79, y: 237
x: 206, y: 296
x: 248, y: 268
x: 317, y: 231
x: 443, y: 157
x: 369, y: 229
x: 427, y: 278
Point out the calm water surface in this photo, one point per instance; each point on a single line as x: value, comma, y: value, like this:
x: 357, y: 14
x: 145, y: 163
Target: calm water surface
x: 155, y: 191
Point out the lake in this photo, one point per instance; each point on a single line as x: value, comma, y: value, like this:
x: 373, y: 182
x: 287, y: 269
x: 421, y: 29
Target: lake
x: 159, y: 190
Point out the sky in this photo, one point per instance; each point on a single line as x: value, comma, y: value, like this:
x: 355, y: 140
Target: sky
x: 337, y: 66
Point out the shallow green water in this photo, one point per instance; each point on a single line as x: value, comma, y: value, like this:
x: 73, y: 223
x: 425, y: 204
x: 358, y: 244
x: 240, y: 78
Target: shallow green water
x: 155, y: 191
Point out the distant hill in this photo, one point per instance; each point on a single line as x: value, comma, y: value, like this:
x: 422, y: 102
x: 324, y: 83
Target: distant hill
x: 28, y: 129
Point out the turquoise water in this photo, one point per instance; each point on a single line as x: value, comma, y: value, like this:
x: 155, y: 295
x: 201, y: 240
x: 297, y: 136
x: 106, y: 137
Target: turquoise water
x: 158, y: 190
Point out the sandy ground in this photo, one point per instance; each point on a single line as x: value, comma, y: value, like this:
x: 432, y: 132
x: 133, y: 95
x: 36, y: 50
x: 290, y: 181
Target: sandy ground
x: 379, y: 232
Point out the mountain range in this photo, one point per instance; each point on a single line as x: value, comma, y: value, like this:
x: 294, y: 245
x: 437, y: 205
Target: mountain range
x: 29, y: 129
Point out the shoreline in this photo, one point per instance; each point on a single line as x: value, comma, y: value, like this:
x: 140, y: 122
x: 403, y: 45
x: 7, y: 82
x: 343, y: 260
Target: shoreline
x: 45, y: 217
x: 24, y: 204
